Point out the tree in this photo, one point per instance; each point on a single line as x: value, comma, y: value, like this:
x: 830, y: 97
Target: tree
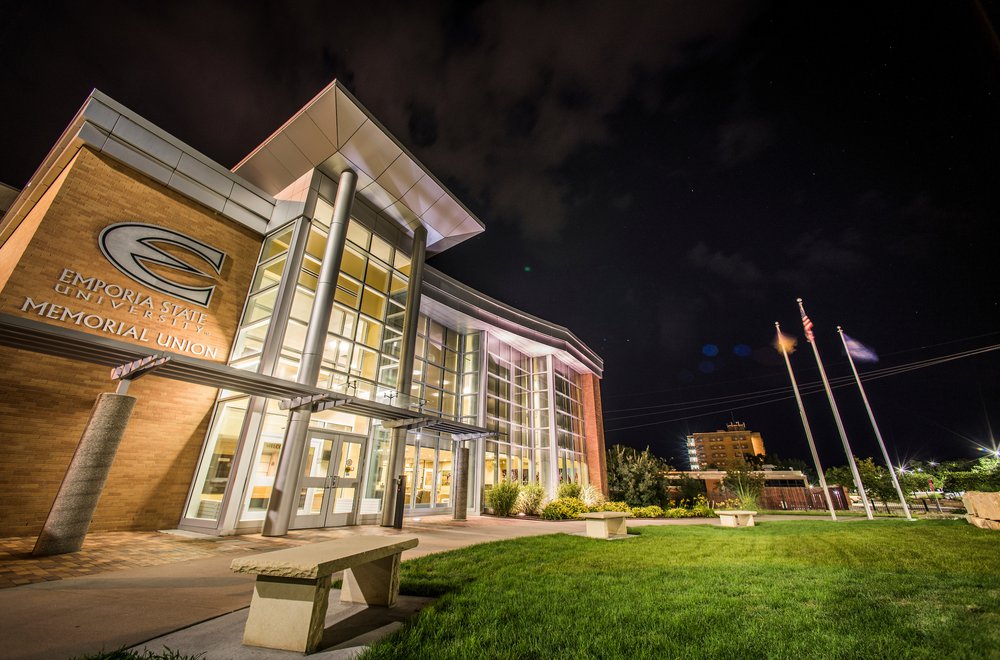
x: 876, y: 480
x: 743, y: 483
x: 638, y: 478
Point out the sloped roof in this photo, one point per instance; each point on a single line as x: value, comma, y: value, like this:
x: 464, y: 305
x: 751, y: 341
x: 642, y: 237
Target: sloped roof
x: 334, y: 132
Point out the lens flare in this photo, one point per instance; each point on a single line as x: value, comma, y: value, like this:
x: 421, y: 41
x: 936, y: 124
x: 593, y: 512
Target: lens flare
x: 786, y: 342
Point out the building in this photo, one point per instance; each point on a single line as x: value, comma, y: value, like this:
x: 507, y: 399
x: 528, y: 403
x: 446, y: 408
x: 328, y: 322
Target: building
x: 782, y: 489
x: 715, y: 449
x: 312, y: 355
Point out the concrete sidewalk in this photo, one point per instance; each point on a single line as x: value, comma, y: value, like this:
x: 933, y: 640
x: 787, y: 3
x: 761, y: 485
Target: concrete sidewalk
x: 62, y: 618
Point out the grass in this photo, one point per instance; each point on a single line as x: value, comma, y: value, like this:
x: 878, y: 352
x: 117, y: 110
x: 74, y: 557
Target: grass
x: 789, y: 589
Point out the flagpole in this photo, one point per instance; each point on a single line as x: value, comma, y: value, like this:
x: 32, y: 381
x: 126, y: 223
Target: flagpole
x: 805, y: 425
x: 836, y: 416
x: 878, y: 433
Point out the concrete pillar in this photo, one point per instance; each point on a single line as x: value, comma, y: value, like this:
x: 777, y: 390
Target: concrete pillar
x: 397, y: 448
x: 460, y: 489
x: 69, y: 518
x: 281, y: 506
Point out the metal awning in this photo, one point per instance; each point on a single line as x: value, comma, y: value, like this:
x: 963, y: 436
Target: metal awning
x: 29, y: 335
x: 392, y: 417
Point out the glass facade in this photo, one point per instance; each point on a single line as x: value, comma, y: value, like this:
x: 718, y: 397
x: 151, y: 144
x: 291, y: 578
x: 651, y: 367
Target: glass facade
x: 530, y: 403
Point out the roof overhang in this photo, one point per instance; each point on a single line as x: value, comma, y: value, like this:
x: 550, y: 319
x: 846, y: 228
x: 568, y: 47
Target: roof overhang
x: 465, y: 309
x: 333, y: 133
x: 106, y: 126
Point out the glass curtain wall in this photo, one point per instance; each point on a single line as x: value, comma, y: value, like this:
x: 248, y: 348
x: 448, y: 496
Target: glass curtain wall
x: 437, y: 367
x: 361, y: 355
x: 569, y: 424
x: 509, y: 412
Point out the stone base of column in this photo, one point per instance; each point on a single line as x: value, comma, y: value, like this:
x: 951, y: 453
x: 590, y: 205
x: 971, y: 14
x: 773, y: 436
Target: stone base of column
x: 69, y: 518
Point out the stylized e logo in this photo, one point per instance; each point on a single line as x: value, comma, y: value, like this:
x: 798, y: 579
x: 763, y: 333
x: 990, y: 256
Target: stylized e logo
x: 130, y: 247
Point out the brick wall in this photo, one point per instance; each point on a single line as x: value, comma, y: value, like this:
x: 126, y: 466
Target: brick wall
x: 97, y: 192
x: 44, y: 405
x: 593, y: 431
x: 45, y: 401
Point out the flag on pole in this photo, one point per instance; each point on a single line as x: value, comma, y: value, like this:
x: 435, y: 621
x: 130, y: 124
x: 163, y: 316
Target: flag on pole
x: 859, y: 351
x: 807, y: 324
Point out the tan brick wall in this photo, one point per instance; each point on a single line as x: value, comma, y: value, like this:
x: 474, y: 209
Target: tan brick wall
x: 98, y: 192
x: 45, y: 401
x: 44, y: 405
x: 593, y: 431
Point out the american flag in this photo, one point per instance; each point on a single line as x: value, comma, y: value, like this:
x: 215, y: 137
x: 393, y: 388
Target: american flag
x: 807, y: 324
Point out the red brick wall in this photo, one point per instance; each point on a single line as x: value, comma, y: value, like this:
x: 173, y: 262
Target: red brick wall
x: 593, y: 431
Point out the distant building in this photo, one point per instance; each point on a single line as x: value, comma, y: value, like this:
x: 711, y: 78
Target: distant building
x: 783, y: 489
x: 715, y: 449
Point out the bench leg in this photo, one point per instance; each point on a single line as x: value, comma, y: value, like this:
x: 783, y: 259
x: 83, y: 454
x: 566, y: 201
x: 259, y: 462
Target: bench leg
x: 727, y: 521
x: 287, y: 613
x: 373, y: 583
x: 747, y: 521
x: 616, y: 527
x: 597, y: 529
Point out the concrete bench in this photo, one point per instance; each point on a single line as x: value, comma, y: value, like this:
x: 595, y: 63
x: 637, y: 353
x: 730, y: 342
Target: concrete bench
x: 736, y: 518
x: 289, y: 604
x: 605, y: 524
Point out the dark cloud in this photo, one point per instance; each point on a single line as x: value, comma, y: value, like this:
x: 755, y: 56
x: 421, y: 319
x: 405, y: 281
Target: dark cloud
x: 734, y: 267
x: 743, y: 141
x: 532, y: 86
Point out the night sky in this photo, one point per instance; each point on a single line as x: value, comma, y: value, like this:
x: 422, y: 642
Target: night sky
x: 665, y: 179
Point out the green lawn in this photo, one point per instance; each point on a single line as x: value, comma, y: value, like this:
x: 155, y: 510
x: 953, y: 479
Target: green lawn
x: 790, y: 589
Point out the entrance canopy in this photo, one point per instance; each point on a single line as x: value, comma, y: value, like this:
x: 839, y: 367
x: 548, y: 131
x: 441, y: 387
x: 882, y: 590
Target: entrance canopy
x: 26, y: 334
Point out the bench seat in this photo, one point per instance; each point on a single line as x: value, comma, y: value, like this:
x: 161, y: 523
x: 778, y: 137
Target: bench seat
x: 290, y: 597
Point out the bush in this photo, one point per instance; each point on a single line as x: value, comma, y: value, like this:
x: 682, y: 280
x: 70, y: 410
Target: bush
x: 984, y: 482
x: 529, y: 500
x: 564, y: 508
x: 638, y: 478
x: 678, y: 512
x: 592, y: 497
x: 652, y: 511
x: 503, y: 497
x: 620, y: 507
x: 700, y: 508
x: 569, y: 490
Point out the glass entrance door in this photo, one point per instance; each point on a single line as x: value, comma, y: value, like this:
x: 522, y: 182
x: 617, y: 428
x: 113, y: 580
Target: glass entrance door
x: 328, y: 489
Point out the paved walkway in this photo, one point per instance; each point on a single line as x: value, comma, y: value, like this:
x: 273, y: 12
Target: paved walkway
x: 126, y: 588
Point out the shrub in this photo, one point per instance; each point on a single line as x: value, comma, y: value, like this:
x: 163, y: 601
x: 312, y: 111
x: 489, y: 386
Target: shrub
x: 975, y: 481
x: 637, y: 477
x: 592, y: 497
x: 652, y: 511
x: 678, y: 512
x: 564, y: 508
x: 503, y: 497
x: 569, y: 490
x: 620, y: 507
x: 700, y: 508
x: 529, y: 500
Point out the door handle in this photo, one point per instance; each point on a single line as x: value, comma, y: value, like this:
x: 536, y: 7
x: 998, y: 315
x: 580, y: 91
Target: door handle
x: 331, y: 482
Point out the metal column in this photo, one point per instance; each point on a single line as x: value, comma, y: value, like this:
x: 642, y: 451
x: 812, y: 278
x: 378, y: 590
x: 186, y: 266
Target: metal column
x: 397, y: 448
x: 281, y: 506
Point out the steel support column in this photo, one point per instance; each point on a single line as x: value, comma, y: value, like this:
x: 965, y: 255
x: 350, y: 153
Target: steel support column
x: 397, y: 448
x: 281, y: 506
